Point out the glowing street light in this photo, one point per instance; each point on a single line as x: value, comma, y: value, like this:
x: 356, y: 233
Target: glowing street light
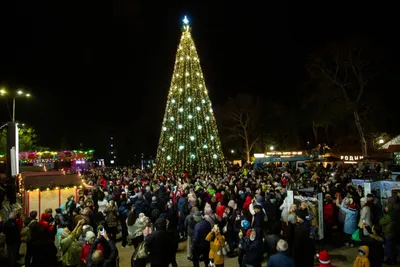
x: 233, y: 151
x: 381, y: 141
x: 271, y: 148
x: 18, y: 93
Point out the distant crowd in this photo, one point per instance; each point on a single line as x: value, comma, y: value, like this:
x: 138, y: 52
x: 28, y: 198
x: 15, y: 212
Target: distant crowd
x: 246, y: 214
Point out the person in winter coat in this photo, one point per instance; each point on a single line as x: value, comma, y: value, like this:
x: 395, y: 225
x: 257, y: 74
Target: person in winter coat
x: 281, y: 259
x: 365, y: 215
x: 285, y: 210
x: 329, y: 216
x: 374, y: 241
x: 47, y: 222
x: 201, y: 247
x: 190, y: 222
x: 258, y: 221
x: 253, y: 248
x: 103, y: 258
x: 246, y: 205
x: 70, y: 246
x: 135, y: 231
x: 303, y: 250
x: 42, y: 252
x: 111, y: 212
x: 217, y: 241
x: 155, y: 209
x: 231, y: 234
x: 244, y: 227
x: 158, y: 244
x: 183, y: 207
x: 13, y: 239
x: 350, y: 220
x: 141, y: 205
x: 362, y: 258
x: 90, y: 238
x: 388, y: 225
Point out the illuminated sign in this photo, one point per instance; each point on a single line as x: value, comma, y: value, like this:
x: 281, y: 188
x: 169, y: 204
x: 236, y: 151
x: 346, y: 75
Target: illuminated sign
x: 351, y: 158
x: 276, y: 153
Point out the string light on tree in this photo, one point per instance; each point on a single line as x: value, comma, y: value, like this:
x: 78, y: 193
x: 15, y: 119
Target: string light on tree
x: 192, y: 141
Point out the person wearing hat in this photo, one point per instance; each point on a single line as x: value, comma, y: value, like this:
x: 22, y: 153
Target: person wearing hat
x: 350, y: 219
x: 365, y: 215
x: 190, y: 222
x: 217, y: 241
x: 324, y: 259
x: 70, y: 246
x: 253, y: 249
x: 89, y: 240
x: 362, y: 258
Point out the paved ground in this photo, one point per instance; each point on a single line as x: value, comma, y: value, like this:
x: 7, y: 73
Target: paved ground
x: 341, y: 257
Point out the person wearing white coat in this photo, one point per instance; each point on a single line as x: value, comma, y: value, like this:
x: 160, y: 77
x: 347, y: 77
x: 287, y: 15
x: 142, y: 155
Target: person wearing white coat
x: 285, y: 210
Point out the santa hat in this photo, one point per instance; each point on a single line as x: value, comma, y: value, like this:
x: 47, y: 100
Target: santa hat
x: 323, y: 257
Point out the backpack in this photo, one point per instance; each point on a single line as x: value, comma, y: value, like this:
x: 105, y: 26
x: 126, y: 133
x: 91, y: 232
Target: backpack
x: 185, y: 208
x: 26, y: 233
x: 155, y: 213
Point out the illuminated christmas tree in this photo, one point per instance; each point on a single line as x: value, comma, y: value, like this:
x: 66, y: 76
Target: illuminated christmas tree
x: 189, y: 138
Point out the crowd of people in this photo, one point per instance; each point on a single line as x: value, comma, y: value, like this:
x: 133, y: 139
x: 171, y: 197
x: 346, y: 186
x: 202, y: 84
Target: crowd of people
x: 246, y: 214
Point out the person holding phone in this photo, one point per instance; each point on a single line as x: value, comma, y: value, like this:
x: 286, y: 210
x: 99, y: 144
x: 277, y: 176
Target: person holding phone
x: 217, y: 241
x: 101, y: 257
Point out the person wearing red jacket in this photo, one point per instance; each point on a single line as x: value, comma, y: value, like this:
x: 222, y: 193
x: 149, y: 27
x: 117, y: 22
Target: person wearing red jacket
x: 90, y: 237
x: 47, y: 223
x: 329, y: 216
x: 103, y: 183
x: 246, y: 205
x: 19, y: 220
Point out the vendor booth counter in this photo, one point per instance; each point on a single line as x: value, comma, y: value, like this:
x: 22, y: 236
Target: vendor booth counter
x: 42, y: 190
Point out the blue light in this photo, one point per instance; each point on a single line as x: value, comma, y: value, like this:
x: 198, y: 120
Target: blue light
x: 185, y: 20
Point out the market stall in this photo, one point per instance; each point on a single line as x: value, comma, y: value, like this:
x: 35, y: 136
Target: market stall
x: 42, y: 190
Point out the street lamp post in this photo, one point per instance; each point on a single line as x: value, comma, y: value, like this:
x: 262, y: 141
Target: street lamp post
x: 18, y: 93
x: 12, y: 146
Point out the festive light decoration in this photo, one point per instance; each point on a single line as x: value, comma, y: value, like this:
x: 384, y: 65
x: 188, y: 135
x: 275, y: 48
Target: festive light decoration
x: 53, y: 156
x: 52, y: 187
x: 189, y: 138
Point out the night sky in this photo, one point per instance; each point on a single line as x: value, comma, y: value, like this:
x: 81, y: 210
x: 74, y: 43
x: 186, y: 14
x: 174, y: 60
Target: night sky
x: 98, y: 69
